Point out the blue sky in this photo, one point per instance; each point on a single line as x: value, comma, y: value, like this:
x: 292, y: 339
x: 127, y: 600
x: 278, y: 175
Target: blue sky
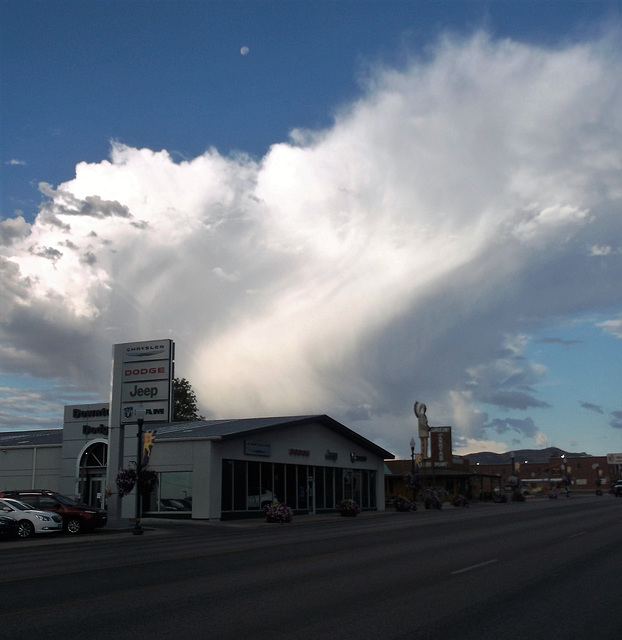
x: 377, y: 203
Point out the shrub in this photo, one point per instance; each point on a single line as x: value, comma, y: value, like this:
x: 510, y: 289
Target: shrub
x: 348, y: 507
x: 278, y: 512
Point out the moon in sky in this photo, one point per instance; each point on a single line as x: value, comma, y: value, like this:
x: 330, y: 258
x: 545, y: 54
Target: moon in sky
x: 244, y: 50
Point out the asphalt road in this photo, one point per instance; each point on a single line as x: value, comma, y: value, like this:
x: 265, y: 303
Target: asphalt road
x: 542, y: 569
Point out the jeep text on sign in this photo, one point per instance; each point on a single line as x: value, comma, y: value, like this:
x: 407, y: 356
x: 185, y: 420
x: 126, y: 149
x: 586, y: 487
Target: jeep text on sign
x: 144, y: 391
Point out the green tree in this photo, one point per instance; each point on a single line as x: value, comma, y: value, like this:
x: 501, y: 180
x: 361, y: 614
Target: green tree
x: 184, y: 401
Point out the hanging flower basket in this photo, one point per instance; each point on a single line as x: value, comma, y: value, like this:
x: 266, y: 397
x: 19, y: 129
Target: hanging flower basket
x: 412, y: 481
x: 148, y: 479
x: 126, y: 480
x: 348, y: 508
x: 278, y: 512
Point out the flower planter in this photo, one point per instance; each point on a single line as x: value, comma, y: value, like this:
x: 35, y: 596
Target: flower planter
x: 277, y: 512
x: 348, y: 508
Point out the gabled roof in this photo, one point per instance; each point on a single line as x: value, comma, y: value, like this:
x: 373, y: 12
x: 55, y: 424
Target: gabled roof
x: 233, y: 428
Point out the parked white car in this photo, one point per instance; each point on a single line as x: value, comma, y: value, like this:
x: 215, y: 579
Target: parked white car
x: 30, y: 520
x: 258, y: 498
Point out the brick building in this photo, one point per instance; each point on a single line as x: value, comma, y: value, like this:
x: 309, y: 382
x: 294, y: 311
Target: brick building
x: 578, y: 473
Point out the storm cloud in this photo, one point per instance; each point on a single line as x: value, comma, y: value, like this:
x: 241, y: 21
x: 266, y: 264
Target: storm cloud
x: 404, y: 253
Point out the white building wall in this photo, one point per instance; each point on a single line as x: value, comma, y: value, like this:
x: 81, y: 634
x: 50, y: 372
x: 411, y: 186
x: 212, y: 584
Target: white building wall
x: 291, y: 445
x: 30, y: 467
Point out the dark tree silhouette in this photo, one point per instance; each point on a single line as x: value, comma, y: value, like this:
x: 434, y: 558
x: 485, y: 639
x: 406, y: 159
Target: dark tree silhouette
x: 184, y: 401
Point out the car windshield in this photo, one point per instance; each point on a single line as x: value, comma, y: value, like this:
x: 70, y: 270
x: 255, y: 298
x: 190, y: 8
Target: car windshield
x: 16, y: 504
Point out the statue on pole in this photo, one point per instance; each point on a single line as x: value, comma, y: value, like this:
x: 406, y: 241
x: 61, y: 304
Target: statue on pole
x: 424, y: 429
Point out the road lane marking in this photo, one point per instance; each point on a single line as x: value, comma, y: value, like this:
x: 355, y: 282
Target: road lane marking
x: 474, y: 566
x: 576, y: 535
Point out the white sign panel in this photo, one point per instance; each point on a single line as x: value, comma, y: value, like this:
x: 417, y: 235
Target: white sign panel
x: 87, y: 413
x: 155, y: 411
x: 146, y: 351
x: 252, y: 448
x: 143, y: 374
x: 146, y: 371
x: 145, y: 391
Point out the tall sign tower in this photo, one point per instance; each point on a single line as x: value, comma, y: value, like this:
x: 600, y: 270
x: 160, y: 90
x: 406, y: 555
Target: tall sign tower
x: 142, y: 376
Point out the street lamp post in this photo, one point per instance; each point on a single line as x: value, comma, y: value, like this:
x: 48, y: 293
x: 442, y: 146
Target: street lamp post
x: 412, y: 458
x: 513, y: 476
x: 565, y: 482
x: 140, y: 419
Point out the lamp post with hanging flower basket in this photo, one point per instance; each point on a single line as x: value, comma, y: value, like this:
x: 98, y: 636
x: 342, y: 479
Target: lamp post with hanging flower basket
x: 140, y: 413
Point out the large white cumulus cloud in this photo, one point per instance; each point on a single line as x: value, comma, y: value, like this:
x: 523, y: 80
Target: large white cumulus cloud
x: 399, y: 255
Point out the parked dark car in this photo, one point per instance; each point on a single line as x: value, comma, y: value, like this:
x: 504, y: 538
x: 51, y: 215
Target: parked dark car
x: 617, y: 489
x: 77, y: 517
x: 8, y: 527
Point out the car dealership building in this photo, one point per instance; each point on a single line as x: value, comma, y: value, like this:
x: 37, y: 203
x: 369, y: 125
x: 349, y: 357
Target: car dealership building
x: 207, y: 469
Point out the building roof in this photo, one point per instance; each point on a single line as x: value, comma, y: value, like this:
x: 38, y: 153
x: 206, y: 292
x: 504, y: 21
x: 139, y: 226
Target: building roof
x: 197, y: 429
x: 31, y: 438
x: 233, y: 428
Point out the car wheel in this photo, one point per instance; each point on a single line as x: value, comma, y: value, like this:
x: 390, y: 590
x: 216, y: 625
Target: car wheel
x: 73, y: 525
x: 26, y: 529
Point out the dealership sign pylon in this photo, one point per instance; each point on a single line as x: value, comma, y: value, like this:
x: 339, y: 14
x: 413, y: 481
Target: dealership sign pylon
x: 142, y: 376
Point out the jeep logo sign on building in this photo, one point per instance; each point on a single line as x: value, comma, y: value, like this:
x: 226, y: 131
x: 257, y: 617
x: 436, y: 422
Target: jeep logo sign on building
x: 143, y: 375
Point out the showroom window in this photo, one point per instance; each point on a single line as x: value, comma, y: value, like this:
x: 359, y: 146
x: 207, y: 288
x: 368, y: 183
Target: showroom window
x: 249, y: 485
x: 173, y: 494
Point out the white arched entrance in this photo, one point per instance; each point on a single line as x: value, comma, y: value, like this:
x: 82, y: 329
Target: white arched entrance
x: 92, y: 473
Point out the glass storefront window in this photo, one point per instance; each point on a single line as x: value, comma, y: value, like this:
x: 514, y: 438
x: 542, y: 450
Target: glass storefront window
x: 365, y: 489
x: 279, y: 482
x: 303, y: 486
x: 291, y: 492
x: 248, y: 485
x: 320, y: 495
x: 339, y: 496
x: 226, y: 489
x: 239, y: 485
x: 173, y: 493
x: 330, y: 487
x: 255, y: 490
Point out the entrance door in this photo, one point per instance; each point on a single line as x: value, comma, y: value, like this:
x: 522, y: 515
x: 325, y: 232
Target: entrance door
x: 95, y: 494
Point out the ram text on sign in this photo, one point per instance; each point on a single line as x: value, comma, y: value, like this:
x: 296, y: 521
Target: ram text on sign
x: 155, y: 411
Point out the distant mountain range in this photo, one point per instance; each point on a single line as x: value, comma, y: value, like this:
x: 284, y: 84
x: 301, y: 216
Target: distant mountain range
x: 521, y: 455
